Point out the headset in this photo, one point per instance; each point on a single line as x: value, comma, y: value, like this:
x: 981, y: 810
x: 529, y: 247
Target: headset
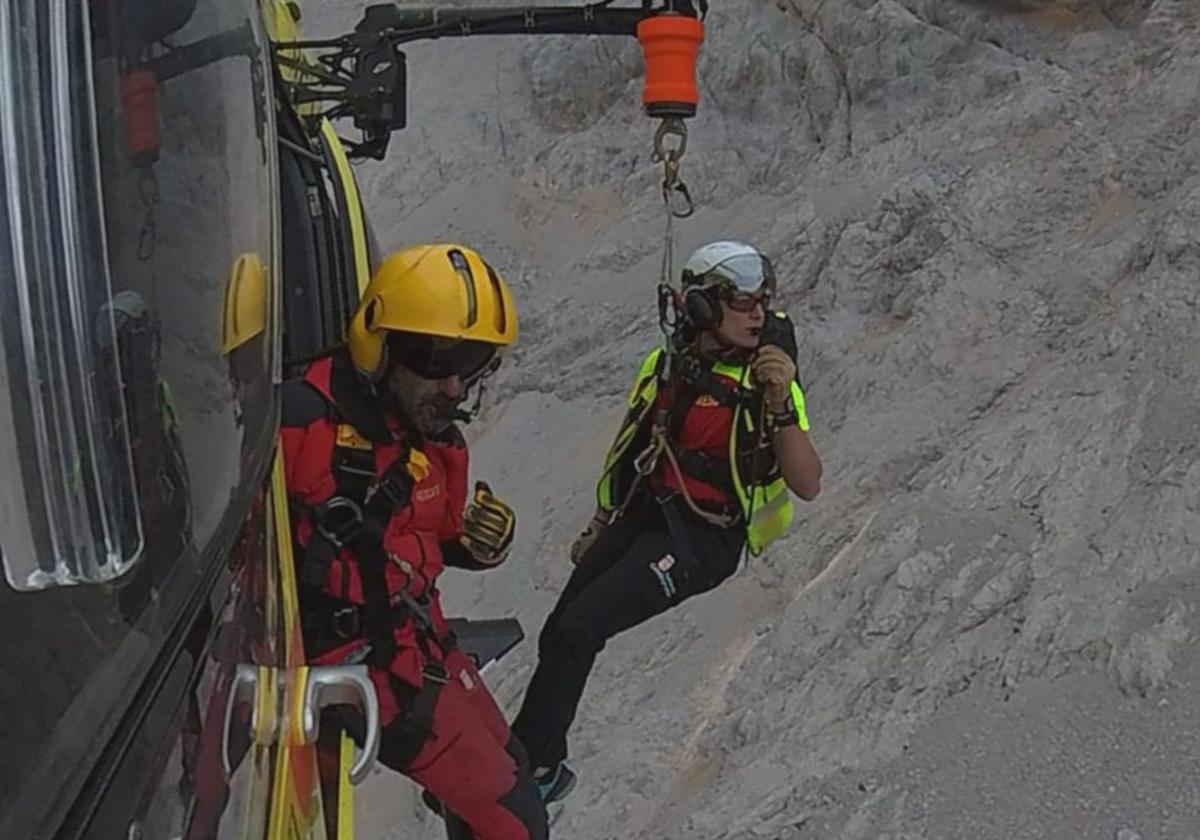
x: 701, y: 309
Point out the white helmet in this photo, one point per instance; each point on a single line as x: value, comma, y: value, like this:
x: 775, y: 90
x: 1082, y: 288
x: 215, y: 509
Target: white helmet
x: 133, y: 324
x: 736, y: 266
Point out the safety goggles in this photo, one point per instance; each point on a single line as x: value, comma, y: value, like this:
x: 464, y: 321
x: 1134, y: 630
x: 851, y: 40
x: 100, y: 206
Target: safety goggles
x: 743, y: 301
x: 435, y: 357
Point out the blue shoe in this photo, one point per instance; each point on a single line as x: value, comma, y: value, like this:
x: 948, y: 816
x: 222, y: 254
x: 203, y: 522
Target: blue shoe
x: 554, y: 783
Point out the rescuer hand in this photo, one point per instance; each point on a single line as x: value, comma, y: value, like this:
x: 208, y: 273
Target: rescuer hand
x: 773, y: 371
x: 488, y: 527
x: 587, y: 537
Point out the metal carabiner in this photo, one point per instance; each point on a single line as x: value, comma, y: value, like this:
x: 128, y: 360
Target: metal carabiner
x: 676, y: 196
x: 678, y: 200
x: 670, y: 127
x: 646, y: 460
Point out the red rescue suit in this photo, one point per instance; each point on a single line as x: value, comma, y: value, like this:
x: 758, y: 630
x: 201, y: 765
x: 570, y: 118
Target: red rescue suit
x: 441, y: 726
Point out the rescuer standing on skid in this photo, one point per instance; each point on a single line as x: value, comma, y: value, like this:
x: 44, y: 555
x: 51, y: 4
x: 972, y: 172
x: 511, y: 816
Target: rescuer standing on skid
x: 377, y: 476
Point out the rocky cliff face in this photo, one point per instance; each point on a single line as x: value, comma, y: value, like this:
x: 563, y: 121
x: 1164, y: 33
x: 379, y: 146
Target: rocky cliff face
x: 988, y: 227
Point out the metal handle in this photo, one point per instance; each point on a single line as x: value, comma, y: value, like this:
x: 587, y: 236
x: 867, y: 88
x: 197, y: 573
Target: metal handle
x: 265, y: 689
x: 243, y: 689
x: 344, y: 684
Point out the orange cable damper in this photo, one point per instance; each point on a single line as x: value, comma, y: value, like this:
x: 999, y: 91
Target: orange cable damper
x: 670, y: 47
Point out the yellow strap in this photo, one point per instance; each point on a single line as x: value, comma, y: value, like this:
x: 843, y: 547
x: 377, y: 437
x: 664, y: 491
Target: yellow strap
x: 345, y: 821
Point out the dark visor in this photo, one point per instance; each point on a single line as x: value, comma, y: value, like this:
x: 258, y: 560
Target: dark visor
x: 434, y: 357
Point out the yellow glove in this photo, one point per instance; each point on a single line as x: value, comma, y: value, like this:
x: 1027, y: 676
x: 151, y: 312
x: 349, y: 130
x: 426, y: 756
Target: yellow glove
x: 587, y: 538
x: 773, y: 371
x: 488, y: 527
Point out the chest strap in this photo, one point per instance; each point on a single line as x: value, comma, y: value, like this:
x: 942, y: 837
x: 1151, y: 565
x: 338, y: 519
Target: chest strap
x: 355, y: 518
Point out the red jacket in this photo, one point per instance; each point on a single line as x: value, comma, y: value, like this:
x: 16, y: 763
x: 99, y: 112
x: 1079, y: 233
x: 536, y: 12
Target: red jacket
x: 415, y: 535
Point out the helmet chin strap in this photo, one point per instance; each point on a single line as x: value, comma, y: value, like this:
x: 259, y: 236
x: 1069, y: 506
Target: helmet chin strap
x: 480, y: 386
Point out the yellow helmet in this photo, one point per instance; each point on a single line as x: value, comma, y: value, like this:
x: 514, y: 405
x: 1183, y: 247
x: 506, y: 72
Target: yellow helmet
x: 244, y: 311
x: 450, y: 307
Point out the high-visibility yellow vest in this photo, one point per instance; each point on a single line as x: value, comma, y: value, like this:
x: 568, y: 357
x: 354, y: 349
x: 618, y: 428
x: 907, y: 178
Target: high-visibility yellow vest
x: 766, y: 505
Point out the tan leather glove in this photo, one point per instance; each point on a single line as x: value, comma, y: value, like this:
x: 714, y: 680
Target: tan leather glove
x: 587, y: 538
x: 773, y: 371
x: 489, y: 526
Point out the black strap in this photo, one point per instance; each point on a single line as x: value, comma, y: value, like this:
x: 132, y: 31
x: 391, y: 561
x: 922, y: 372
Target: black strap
x: 393, y: 491
x: 330, y: 622
x: 697, y: 374
x: 404, y: 739
x: 350, y: 401
x: 354, y: 472
x: 757, y: 463
x: 356, y: 403
x: 704, y: 466
x: 337, y: 520
x: 355, y: 518
x: 691, y: 381
x: 301, y: 404
x: 680, y: 403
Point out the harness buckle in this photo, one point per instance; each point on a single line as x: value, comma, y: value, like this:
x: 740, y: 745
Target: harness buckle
x: 338, y: 520
x: 396, y: 486
x: 435, y: 672
x: 345, y: 623
x: 729, y: 515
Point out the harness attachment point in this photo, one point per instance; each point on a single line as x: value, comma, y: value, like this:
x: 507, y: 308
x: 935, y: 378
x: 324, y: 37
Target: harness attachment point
x: 338, y: 520
x: 676, y: 196
x: 346, y: 623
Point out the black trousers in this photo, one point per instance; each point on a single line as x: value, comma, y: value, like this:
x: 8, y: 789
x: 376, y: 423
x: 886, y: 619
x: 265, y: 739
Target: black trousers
x: 654, y: 558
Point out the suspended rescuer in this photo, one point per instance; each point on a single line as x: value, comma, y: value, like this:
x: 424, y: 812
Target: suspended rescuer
x: 714, y: 438
x: 377, y: 475
x: 145, y: 410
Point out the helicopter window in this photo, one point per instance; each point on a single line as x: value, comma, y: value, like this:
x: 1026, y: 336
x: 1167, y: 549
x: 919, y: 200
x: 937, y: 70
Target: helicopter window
x: 66, y: 510
x: 137, y: 407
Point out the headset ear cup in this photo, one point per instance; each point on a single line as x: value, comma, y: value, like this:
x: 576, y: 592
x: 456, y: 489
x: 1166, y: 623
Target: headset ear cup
x: 701, y: 310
